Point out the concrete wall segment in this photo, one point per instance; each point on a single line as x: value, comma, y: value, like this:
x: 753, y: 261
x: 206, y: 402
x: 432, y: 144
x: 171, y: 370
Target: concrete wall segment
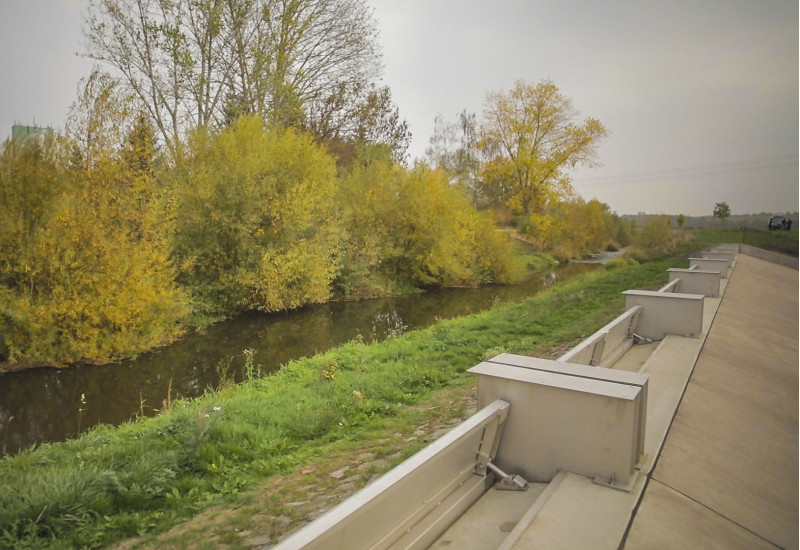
x: 666, y: 313
x: 696, y: 281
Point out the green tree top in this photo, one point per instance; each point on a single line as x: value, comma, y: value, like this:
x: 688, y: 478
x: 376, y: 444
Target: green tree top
x: 722, y: 211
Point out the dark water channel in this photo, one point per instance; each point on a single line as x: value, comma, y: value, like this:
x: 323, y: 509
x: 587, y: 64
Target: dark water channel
x: 40, y: 405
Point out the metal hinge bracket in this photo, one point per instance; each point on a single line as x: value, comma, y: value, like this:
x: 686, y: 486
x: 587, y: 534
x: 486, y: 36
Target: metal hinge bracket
x: 505, y: 482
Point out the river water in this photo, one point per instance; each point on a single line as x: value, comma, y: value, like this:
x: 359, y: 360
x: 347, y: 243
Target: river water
x: 50, y: 404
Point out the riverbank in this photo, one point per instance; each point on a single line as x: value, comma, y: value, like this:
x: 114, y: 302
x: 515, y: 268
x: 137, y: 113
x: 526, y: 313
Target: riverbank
x: 601, y: 257
x: 530, y: 265
x: 45, y: 402
x: 146, y: 477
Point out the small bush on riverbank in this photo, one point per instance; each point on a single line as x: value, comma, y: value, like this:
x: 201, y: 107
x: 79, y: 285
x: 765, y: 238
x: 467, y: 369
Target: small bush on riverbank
x: 621, y: 261
x: 657, y: 239
x: 144, y: 477
x: 84, y: 264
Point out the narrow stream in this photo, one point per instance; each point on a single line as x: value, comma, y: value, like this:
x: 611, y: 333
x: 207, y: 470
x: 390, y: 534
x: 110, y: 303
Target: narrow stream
x: 45, y: 404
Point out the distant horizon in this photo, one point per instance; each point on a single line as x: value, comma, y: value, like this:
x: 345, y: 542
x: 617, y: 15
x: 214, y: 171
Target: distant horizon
x: 711, y: 215
x: 796, y: 213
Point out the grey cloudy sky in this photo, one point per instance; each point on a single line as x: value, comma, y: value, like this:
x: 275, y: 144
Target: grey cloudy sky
x: 700, y: 96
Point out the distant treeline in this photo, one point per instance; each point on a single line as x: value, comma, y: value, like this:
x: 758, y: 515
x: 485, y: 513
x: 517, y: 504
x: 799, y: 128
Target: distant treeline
x: 758, y: 221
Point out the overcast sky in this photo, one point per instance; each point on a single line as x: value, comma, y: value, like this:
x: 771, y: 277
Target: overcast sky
x: 700, y: 96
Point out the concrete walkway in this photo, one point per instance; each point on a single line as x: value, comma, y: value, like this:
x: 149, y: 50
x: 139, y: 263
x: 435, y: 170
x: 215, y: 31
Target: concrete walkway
x: 727, y: 476
x: 719, y: 467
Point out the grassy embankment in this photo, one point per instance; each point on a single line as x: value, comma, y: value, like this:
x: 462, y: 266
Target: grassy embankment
x: 265, y: 455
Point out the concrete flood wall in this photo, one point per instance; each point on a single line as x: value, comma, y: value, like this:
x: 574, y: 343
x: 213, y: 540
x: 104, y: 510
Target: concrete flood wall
x: 666, y: 313
x: 590, y: 419
x: 410, y: 506
x: 721, y: 254
x: 696, y: 281
x: 537, y: 417
x: 711, y: 264
x: 607, y: 345
x: 677, y: 308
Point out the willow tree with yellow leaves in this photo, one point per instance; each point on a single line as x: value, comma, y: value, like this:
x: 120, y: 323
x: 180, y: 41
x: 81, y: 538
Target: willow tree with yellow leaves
x: 256, y: 227
x: 85, y: 272
x: 529, y: 138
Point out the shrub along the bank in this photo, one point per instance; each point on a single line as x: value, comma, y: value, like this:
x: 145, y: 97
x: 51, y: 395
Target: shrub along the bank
x: 84, y: 268
x: 657, y: 239
x: 108, y: 256
x: 254, y: 219
x: 413, y: 227
x: 574, y: 227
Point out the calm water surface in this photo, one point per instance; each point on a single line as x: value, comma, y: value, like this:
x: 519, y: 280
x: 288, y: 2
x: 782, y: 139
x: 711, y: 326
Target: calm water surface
x: 41, y: 405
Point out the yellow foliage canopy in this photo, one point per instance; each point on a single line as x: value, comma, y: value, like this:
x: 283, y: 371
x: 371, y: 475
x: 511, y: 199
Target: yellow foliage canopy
x: 255, y: 222
x: 414, y: 226
x: 88, y: 278
x: 529, y: 138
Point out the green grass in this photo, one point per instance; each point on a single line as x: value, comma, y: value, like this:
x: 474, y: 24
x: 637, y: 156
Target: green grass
x: 784, y: 242
x: 712, y: 235
x: 145, y: 477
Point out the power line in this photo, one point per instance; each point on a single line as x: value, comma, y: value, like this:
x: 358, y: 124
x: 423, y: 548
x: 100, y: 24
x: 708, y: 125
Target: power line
x: 759, y: 163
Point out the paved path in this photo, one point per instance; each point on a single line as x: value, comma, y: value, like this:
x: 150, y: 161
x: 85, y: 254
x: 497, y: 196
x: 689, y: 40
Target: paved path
x: 727, y: 476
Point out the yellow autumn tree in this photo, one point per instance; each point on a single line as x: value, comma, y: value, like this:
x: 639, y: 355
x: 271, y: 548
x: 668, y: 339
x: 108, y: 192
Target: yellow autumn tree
x: 572, y: 228
x: 415, y: 227
x: 657, y: 233
x: 79, y: 284
x: 367, y: 198
x: 434, y: 231
x: 529, y: 138
x: 255, y: 220
x: 584, y: 228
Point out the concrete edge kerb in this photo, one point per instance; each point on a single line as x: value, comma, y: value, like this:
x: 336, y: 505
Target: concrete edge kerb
x: 649, y: 474
x: 769, y: 256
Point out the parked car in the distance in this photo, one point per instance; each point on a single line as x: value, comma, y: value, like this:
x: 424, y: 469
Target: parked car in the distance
x: 779, y: 222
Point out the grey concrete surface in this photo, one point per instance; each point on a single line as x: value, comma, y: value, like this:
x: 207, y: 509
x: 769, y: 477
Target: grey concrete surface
x: 663, y: 518
x: 486, y: 524
x: 581, y: 515
x: 728, y: 470
x: 774, y: 257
